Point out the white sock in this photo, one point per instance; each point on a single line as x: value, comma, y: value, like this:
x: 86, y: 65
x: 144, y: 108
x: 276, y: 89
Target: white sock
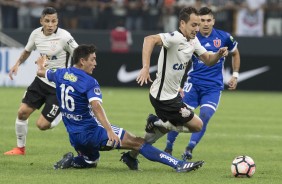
x: 21, y: 132
x: 56, y: 121
x: 151, y: 138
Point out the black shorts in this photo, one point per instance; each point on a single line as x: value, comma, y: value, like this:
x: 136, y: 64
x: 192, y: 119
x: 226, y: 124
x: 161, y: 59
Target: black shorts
x: 39, y: 93
x: 168, y: 110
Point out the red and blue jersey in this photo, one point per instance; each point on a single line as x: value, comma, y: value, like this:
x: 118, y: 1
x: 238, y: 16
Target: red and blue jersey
x: 211, y: 76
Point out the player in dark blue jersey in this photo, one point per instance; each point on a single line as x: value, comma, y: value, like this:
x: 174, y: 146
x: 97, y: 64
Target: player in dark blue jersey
x: 89, y: 129
x: 205, y: 83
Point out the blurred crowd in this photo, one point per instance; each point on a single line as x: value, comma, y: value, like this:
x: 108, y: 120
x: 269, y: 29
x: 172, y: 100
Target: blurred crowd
x: 240, y: 17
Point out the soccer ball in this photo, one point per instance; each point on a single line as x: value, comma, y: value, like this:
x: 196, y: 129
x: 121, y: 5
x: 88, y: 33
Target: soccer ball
x: 243, y: 166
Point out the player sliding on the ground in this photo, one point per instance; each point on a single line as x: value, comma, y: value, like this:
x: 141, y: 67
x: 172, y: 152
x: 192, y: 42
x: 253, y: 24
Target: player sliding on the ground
x: 89, y: 129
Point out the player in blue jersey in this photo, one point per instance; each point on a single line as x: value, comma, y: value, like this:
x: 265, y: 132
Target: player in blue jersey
x: 89, y: 129
x: 205, y: 83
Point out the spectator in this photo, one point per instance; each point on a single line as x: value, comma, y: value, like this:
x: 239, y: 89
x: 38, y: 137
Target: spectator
x: 9, y: 13
x: 70, y: 12
x: 134, y: 15
x: 119, y: 10
x: 37, y: 6
x: 120, y: 38
x: 250, y: 18
x: 169, y: 15
x: 86, y: 19
x: 105, y: 14
x: 24, y: 14
x: 274, y: 18
x: 152, y: 12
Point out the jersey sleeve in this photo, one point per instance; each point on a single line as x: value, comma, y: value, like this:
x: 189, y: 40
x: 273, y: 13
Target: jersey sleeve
x: 50, y: 75
x: 231, y: 43
x: 199, y: 49
x: 168, y: 39
x: 94, y: 93
x: 70, y: 43
x: 30, y: 46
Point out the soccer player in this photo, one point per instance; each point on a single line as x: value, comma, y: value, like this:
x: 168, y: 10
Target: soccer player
x: 204, y: 84
x: 89, y: 129
x: 57, y: 44
x: 177, y: 50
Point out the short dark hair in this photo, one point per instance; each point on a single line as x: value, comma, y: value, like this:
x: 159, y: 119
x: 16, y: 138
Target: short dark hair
x: 205, y: 11
x: 48, y: 11
x: 186, y: 12
x: 82, y: 51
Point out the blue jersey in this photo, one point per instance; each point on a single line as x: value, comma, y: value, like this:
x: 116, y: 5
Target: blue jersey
x: 75, y: 89
x: 211, y: 76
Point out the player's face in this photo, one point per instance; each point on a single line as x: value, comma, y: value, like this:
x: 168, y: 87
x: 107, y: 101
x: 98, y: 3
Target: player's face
x: 207, y: 22
x: 90, y: 63
x: 49, y: 23
x: 191, y: 28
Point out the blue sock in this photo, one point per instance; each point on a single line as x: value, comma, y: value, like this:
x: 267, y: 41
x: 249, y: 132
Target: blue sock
x: 156, y: 155
x: 205, y: 114
x: 171, y: 136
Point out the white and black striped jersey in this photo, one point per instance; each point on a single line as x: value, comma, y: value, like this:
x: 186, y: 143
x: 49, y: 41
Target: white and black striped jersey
x: 173, y: 59
x: 55, y: 47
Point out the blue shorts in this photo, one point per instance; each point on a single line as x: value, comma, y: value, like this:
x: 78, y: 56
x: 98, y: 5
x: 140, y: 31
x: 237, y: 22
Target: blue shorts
x: 195, y: 96
x: 91, y: 142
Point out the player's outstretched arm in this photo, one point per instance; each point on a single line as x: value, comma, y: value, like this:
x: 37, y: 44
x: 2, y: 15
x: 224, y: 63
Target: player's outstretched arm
x: 14, y: 70
x: 212, y: 58
x: 232, y: 83
x: 99, y: 112
x: 148, y: 46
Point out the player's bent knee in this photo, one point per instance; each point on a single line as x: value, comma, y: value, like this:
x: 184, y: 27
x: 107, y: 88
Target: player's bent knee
x: 22, y: 115
x: 43, y: 125
x: 132, y: 142
x: 195, y: 125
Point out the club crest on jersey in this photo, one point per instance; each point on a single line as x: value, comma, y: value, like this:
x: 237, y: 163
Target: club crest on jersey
x: 53, y: 45
x: 217, y: 43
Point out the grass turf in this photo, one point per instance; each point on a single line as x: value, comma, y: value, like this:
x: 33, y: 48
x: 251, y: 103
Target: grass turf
x: 246, y: 123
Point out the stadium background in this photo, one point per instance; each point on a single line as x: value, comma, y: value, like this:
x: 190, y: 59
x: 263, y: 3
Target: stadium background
x: 263, y: 54
x: 91, y: 21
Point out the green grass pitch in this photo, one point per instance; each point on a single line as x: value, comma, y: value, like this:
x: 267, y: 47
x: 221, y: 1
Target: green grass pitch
x: 248, y: 123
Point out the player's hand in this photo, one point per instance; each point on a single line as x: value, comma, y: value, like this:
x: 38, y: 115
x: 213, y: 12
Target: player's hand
x: 181, y: 92
x: 223, y: 52
x: 114, y: 140
x: 13, y: 71
x: 41, y: 61
x: 144, y: 76
x: 232, y: 84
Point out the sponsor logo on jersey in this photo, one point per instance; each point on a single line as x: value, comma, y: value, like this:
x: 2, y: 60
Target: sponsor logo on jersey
x: 97, y: 91
x: 178, y: 66
x: 70, y: 77
x: 217, y: 43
